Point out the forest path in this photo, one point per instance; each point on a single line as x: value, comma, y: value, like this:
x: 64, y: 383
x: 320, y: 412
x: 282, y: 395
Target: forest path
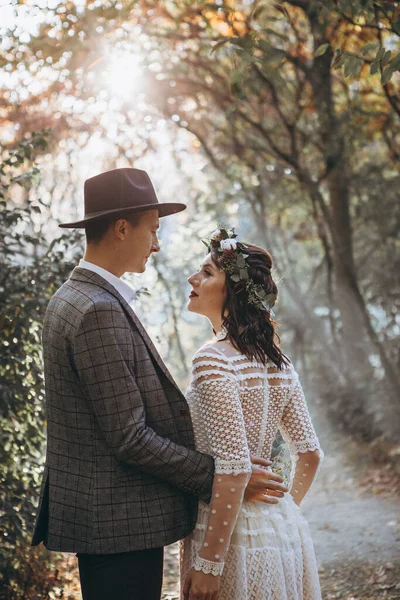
x: 356, y: 535
x: 348, y: 521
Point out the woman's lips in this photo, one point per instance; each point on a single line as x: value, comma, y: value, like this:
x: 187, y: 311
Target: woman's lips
x: 193, y: 295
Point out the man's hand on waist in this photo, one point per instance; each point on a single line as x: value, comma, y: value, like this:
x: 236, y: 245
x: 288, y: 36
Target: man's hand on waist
x: 264, y: 485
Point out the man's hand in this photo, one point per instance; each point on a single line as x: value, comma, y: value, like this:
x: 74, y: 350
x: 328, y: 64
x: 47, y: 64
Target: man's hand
x: 264, y: 486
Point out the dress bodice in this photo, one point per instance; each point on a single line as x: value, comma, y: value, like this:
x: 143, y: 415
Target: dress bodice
x: 270, y: 399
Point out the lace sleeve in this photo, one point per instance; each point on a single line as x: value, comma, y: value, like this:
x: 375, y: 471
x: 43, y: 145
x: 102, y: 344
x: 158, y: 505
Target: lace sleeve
x: 298, y: 431
x: 220, y: 408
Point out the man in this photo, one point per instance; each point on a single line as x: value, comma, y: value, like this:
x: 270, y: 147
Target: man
x: 122, y: 476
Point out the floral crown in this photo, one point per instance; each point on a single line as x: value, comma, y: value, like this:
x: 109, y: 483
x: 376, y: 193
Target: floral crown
x: 232, y: 260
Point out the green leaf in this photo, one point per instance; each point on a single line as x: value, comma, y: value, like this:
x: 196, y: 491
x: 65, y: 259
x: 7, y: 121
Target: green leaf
x: 395, y: 64
x: 386, y: 57
x: 243, y: 274
x: 348, y: 66
x: 245, y: 42
x: 374, y: 67
x: 270, y: 53
x: 380, y: 53
x: 336, y: 55
x: 220, y: 44
x: 246, y: 56
x: 396, y: 26
x: 368, y: 47
x: 321, y: 50
x: 240, y: 261
x: 235, y: 278
x: 341, y: 61
x: 386, y: 75
x: 356, y: 65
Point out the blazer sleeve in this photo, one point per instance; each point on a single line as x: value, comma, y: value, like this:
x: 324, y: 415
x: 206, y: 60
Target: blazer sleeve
x: 101, y: 347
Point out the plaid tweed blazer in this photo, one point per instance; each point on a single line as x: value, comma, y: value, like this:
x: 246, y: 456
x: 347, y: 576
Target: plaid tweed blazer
x: 121, y: 472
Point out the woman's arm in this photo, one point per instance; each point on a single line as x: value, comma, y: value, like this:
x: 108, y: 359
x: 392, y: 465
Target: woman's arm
x: 298, y: 431
x: 220, y: 409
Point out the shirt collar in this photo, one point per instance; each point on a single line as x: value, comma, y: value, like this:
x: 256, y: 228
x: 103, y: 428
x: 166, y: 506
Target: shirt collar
x: 123, y: 288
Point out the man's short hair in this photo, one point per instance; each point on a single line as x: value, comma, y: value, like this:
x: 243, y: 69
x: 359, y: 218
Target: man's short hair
x: 95, y: 230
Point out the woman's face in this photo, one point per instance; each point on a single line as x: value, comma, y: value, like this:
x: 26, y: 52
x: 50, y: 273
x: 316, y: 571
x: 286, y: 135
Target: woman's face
x: 208, y: 290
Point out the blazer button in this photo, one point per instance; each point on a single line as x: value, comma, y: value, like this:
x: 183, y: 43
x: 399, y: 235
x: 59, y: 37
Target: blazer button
x: 183, y: 412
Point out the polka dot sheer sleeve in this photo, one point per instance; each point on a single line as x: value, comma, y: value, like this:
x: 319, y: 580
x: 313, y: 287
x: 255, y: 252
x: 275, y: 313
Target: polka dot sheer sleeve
x: 298, y: 431
x: 220, y: 409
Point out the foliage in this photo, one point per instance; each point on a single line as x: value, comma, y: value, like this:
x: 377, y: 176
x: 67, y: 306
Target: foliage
x: 293, y: 134
x: 30, y: 273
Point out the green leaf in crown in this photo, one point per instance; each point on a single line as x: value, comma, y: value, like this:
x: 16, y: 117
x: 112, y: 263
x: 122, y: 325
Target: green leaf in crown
x: 233, y: 261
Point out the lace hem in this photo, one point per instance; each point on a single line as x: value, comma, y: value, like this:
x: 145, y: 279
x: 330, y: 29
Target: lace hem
x: 232, y: 467
x: 254, y: 375
x: 214, y: 355
x: 207, y: 566
x: 223, y: 375
x: 280, y: 375
x: 247, y: 364
x: 304, y: 446
x: 212, y: 363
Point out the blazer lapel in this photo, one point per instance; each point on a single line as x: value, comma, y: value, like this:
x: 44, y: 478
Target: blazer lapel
x: 86, y: 276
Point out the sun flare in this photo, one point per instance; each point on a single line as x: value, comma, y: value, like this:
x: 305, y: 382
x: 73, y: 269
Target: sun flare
x: 123, y: 74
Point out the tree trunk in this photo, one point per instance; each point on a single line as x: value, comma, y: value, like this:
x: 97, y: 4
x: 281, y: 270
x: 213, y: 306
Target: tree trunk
x: 357, y: 333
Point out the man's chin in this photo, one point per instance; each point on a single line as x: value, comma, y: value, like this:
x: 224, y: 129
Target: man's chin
x: 142, y: 267
x: 136, y: 269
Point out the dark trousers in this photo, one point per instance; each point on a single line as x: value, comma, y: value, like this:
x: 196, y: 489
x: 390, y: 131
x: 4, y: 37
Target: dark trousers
x: 125, y: 576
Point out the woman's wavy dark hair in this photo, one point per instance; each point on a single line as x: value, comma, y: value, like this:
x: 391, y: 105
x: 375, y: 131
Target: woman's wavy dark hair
x: 251, y: 330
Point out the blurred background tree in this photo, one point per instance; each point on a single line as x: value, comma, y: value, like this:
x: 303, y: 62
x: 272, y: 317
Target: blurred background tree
x: 279, y: 118
x: 271, y: 104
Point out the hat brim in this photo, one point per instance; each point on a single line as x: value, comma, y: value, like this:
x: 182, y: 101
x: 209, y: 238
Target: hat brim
x: 164, y: 209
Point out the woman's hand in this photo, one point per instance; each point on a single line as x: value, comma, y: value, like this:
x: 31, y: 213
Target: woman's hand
x: 199, y: 586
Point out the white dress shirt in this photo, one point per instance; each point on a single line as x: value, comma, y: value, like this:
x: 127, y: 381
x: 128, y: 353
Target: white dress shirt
x: 123, y: 288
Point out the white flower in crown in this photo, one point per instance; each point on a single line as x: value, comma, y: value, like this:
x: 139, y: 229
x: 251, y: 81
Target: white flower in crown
x: 228, y: 244
x: 215, y: 234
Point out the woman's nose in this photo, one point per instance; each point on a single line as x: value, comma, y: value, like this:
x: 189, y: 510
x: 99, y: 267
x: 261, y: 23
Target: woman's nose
x: 192, y: 279
x: 155, y: 247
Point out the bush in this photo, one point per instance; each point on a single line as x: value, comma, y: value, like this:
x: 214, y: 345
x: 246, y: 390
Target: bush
x: 30, y: 272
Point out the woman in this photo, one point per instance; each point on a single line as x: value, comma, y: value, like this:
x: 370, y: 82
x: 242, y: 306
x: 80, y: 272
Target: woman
x: 243, y: 389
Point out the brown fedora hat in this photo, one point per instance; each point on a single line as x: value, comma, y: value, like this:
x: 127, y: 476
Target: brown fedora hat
x: 121, y: 191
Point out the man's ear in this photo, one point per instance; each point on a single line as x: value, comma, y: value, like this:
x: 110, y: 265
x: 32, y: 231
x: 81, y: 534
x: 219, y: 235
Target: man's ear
x: 120, y: 228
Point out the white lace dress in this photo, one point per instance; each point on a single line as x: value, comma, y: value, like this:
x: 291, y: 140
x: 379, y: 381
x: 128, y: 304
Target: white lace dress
x: 263, y: 551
